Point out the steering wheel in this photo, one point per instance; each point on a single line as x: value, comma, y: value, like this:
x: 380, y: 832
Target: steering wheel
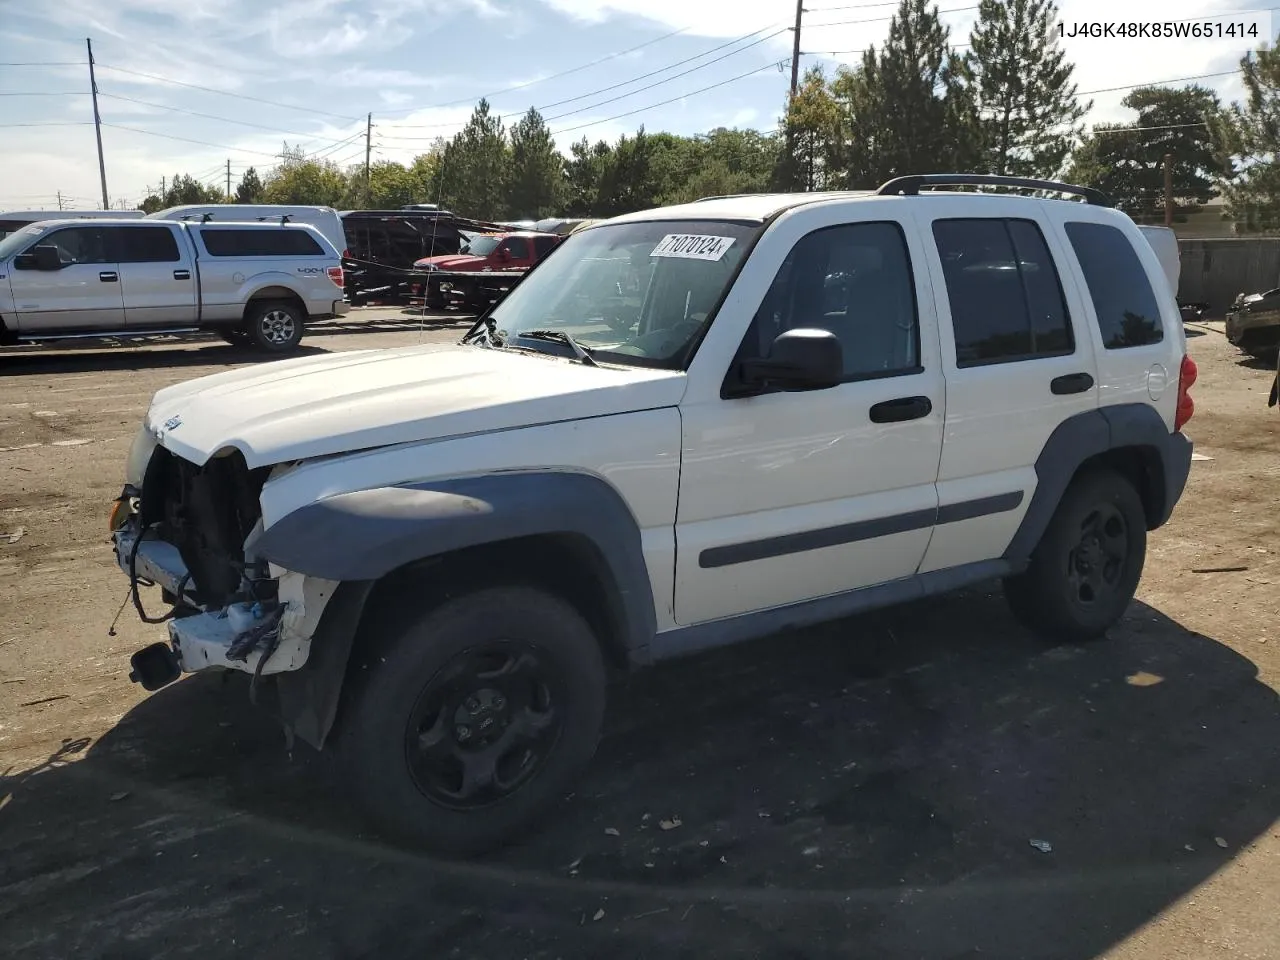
x: 660, y: 343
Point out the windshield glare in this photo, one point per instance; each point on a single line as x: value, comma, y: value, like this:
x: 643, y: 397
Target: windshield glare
x: 15, y: 241
x: 632, y: 292
x: 481, y: 246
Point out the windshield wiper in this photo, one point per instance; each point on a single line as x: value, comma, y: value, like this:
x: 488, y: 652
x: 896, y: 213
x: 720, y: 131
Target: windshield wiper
x: 579, y: 351
x: 486, y: 331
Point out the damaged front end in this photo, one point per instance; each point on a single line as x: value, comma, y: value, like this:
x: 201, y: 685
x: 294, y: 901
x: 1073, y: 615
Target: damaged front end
x: 189, y: 530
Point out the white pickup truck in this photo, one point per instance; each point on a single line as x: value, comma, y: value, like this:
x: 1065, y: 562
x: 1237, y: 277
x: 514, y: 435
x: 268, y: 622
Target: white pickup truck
x: 253, y: 283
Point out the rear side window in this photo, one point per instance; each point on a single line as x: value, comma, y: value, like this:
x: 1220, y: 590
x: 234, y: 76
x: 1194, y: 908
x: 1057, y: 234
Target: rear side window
x: 519, y: 247
x: 1126, y: 306
x: 229, y: 242
x: 1003, y: 287
x: 145, y: 245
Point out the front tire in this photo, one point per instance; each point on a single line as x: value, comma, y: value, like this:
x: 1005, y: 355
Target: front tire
x: 274, y: 326
x: 1086, y: 568
x: 474, y: 718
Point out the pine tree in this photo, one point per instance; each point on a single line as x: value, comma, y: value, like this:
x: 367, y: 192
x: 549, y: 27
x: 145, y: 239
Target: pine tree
x: 537, y: 170
x: 1247, y: 140
x: 1126, y: 161
x: 908, y: 109
x: 1022, y: 87
x: 249, y: 190
x: 811, y: 127
x: 477, y: 164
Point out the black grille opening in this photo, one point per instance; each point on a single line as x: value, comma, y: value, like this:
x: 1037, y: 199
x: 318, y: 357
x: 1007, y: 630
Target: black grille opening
x: 206, y: 512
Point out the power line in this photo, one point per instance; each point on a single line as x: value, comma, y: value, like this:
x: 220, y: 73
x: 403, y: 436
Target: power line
x: 554, y: 76
x: 52, y: 123
x: 623, y: 96
x: 834, y: 53
x: 224, y: 93
x: 845, y: 23
x: 45, y: 93
x: 45, y: 63
x: 691, y: 93
x: 203, y: 143
x: 210, y: 116
x: 1154, y: 83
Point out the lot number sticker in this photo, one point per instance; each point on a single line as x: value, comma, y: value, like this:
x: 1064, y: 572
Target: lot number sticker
x: 692, y: 246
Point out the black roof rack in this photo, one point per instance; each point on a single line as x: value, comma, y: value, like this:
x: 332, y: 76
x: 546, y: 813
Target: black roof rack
x: 910, y: 186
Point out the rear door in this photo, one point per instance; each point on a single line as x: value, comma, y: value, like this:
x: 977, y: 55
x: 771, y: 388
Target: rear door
x: 1018, y: 359
x: 157, y: 280
x: 84, y: 295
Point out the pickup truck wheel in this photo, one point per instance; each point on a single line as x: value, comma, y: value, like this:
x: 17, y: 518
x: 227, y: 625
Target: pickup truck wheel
x: 274, y: 326
x: 474, y: 719
x: 1085, y: 569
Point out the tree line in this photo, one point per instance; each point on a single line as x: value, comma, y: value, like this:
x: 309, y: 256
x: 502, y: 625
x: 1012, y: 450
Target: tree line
x: 1007, y: 105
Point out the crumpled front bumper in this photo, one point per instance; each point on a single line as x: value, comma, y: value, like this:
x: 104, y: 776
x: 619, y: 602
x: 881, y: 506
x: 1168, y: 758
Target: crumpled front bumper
x: 209, y: 639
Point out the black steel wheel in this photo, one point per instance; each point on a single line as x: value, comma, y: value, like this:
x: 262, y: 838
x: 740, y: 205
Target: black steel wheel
x: 464, y: 726
x: 1085, y: 570
x: 485, y: 724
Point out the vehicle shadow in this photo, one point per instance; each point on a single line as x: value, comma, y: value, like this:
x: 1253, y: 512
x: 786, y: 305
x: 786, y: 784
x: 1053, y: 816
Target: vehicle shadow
x: 120, y: 356
x: 1256, y: 363
x: 921, y: 782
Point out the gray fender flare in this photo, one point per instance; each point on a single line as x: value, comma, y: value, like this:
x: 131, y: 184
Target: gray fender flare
x: 358, y: 538
x: 1166, y: 454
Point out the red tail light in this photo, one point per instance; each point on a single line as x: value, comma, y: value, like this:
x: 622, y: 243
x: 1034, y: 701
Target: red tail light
x: 335, y: 274
x: 1186, y: 406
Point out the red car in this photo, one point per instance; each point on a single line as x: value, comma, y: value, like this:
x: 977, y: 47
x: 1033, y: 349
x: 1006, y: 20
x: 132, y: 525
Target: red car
x: 495, y: 251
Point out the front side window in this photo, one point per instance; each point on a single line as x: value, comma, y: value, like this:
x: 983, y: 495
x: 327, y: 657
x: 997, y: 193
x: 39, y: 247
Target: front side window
x: 1006, y: 299
x: 638, y: 293
x: 1123, y: 300
x: 854, y: 280
x: 519, y: 247
x: 79, y: 245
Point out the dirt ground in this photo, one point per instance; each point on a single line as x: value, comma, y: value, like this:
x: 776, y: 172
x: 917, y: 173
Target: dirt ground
x: 867, y: 789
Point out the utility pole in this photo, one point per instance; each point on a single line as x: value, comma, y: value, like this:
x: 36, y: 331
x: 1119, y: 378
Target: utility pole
x: 368, y: 150
x: 164, y: 190
x: 1168, y: 189
x: 97, y: 126
x: 59, y: 199
x: 795, y: 50
x: 228, y: 179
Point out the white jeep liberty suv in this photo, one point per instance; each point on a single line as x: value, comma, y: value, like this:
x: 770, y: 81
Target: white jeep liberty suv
x: 686, y: 427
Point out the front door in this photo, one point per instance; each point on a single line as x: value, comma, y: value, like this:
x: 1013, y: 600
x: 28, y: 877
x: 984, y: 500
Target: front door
x: 786, y: 497
x: 84, y: 295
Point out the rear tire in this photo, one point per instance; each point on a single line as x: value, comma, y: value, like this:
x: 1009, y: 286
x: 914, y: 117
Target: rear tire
x: 1086, y: 567
x: 473, y: 718
x: 274, y: 326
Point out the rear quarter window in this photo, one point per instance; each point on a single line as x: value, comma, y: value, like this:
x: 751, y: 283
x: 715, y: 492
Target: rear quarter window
x: 230, y: 242
x: 1123, y: 300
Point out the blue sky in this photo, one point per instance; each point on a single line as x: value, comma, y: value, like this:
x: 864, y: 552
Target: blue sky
x: 419, y: 65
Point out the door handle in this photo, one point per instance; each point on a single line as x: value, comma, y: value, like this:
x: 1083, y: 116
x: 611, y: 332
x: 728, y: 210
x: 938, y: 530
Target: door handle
x: 182, y: 274
x: 1070, y: 383
x: 904, y: 408
x: 109, y: 276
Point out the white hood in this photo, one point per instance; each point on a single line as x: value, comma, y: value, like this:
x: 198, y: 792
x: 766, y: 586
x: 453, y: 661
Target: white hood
x: 317, y: 406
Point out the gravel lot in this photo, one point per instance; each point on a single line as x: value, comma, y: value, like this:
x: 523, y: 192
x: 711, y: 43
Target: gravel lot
x: 870, y: 788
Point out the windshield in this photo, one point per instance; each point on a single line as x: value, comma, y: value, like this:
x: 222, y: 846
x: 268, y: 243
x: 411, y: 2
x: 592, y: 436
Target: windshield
x: 481, y: 246
x: 631, y: 292
x: 15, y: 241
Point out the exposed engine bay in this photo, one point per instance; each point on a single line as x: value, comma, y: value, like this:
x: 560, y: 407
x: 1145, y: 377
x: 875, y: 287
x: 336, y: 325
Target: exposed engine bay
x: 186, y: 533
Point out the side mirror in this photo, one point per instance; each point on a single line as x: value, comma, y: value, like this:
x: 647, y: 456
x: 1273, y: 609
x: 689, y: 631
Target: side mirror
x: 800, y: 359
x: 504, y: 254
x: 43, y: 257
